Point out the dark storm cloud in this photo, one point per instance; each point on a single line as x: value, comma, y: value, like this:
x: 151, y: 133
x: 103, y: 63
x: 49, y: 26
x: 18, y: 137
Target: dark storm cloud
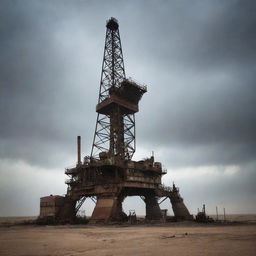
x: 217, y: 123
x: 42, y: 81
x: 203, y: 34
x: 206, y: 83
x: 199, y: 63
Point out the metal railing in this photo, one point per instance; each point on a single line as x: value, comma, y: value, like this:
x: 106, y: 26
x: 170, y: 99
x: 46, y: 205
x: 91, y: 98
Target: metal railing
x: 135, y: 83
x: 165, y: 188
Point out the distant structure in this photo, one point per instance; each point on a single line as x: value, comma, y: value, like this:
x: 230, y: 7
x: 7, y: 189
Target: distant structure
x: 202, y: 217
x: 109, y: 174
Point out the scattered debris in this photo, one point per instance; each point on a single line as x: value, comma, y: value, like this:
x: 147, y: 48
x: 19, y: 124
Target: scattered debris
x: 132, y: 218
x: 174, y: 236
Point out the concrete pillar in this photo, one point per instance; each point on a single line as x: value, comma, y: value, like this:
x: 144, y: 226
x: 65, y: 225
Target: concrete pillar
x: 179, y: 209
x: 153, y: 211
x: 105, y: 208
x: 108, y: 208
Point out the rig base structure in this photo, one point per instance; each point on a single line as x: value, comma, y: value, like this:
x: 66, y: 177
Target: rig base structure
x: 108, y: 183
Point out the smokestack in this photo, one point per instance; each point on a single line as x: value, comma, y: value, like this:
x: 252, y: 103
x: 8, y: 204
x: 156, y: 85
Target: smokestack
x: 203, y: 208
x: 78, y: 150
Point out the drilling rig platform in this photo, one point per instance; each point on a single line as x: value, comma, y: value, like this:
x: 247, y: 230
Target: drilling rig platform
x: 109, y: 174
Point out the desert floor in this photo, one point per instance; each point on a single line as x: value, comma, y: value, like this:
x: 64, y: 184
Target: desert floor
x: 169, y: 239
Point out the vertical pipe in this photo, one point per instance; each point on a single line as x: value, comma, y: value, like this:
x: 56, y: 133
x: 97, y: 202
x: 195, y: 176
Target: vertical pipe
x: 217, y: 215
x: 224, y: 214
x: 78, y: 150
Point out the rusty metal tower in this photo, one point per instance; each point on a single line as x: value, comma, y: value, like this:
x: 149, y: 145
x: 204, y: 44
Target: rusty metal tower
x: 115, y: 126
x: 109, y: 174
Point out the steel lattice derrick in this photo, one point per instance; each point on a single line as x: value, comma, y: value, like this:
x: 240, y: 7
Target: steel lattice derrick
x: 113, y: 71
x: 129, y: 135
x: 111, y: 136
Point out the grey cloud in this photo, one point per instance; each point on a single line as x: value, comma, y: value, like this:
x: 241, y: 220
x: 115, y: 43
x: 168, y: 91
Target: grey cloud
x: 226, y: 190
x: 50, y: 80
x: 45, y: 87
x: 205, y: 34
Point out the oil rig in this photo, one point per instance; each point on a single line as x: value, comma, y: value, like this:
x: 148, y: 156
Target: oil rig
x: 109, y: 175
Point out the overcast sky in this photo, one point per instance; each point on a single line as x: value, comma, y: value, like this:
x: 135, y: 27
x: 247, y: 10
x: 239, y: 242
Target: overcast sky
x: 198, y: 59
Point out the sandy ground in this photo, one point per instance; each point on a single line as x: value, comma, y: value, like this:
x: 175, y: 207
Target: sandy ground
x: 173, y: 239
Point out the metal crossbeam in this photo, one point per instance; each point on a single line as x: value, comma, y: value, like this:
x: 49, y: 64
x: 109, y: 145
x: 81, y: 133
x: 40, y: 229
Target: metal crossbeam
x: 163, y: 200
x: 80, y: 203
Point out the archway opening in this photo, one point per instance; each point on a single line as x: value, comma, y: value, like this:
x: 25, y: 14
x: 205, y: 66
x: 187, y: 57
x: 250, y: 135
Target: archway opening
x: 134, y: 203
x: 86, y: 208
x: 166, y: 207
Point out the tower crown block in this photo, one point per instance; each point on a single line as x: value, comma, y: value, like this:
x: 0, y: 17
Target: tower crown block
x: 126, y: 96
x: 112, y: 24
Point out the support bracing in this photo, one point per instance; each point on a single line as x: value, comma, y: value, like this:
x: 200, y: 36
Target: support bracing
x: 80, y: 203
x: 162, y: 200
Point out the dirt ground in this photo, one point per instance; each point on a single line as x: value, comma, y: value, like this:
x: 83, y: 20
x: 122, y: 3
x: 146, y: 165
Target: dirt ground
x: 171, y: 239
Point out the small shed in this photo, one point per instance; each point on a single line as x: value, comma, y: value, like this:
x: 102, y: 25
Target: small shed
x: 50, y: 206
